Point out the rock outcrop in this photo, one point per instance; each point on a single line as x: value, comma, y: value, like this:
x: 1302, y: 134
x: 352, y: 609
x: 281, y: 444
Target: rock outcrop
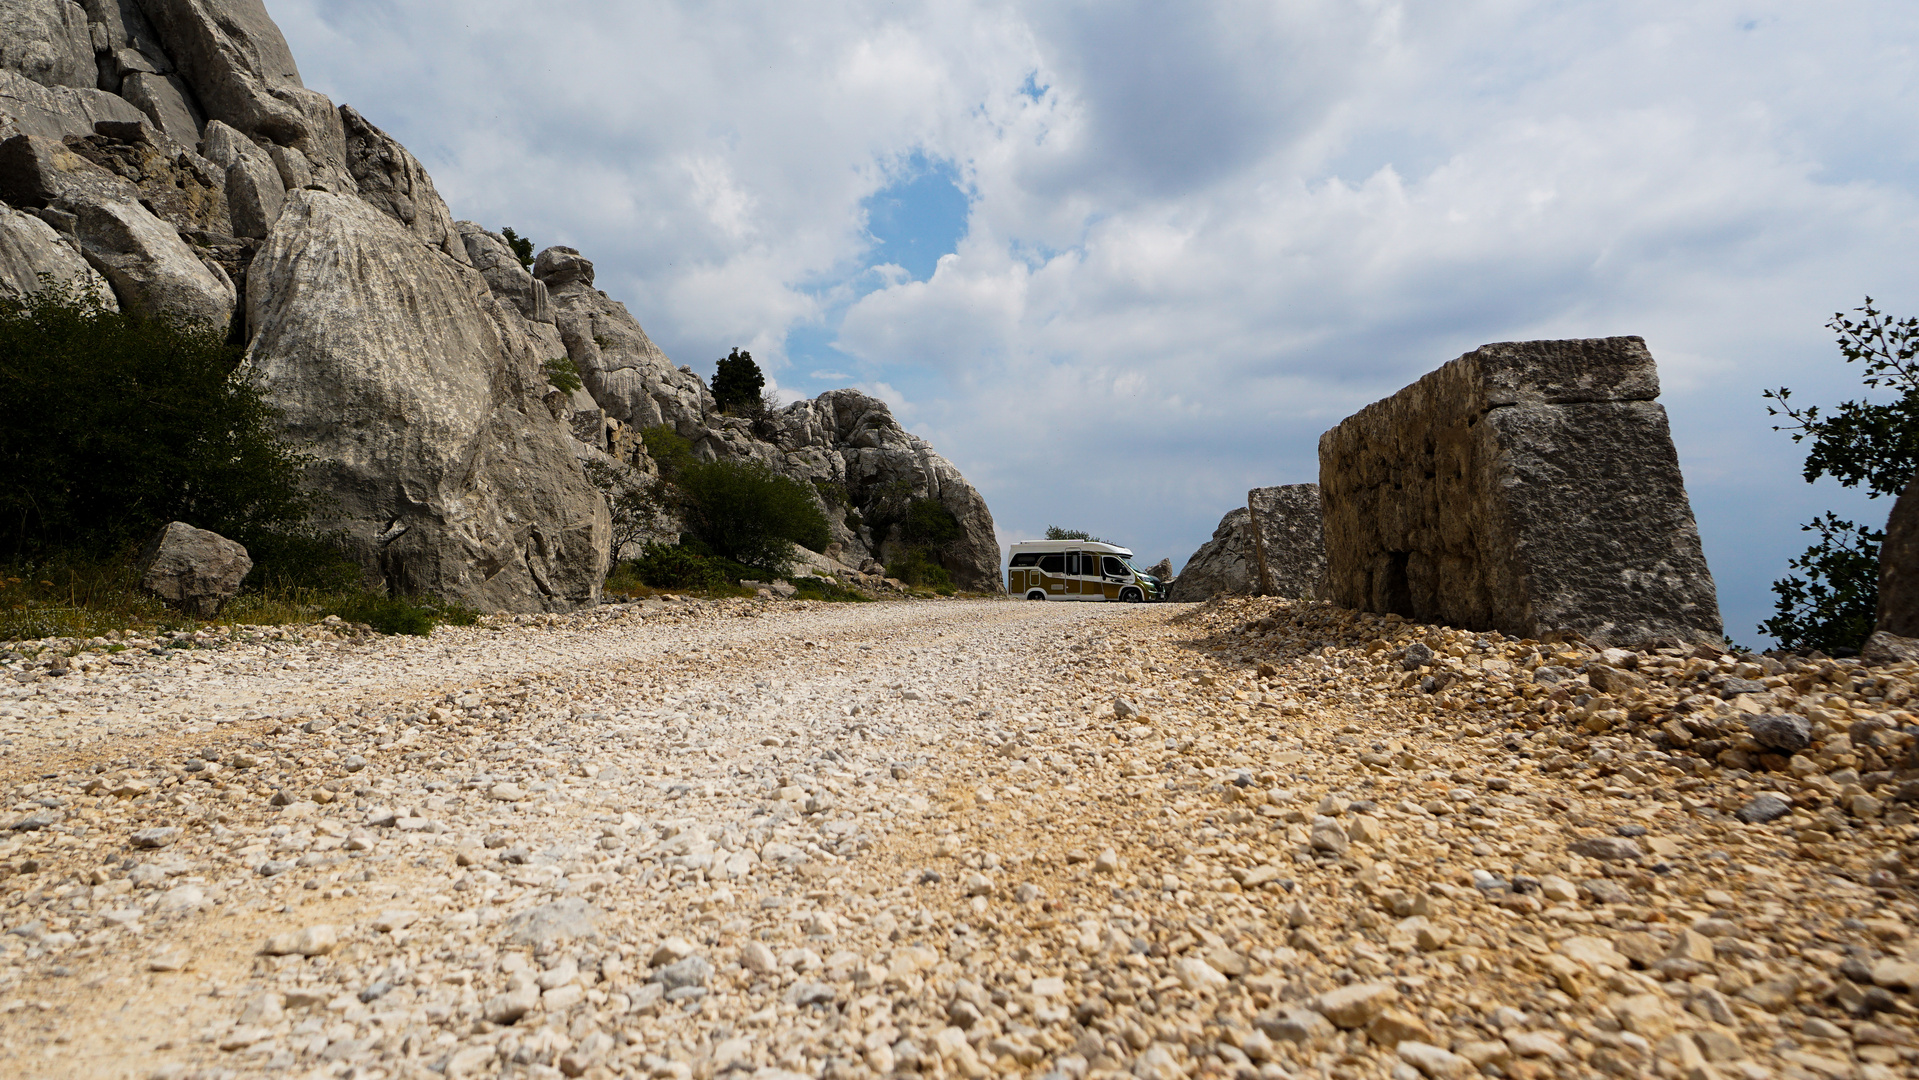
x: 169, y: 151
x: 1289, y: 541
x: 1224, y: 565
x: 196, y: 570
x: 423, y: 402
x: 152, y: 269
x: 1526, y: 487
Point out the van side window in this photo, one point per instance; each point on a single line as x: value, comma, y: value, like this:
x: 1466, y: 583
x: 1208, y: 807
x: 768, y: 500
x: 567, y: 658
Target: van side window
x: 1026, y: 558
x: 1052, y: 564
x: 1115, y: 568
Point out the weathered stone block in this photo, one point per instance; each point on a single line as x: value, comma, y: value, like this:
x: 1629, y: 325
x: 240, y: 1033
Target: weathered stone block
x: 1289, y: 541
x: 1526, y: 487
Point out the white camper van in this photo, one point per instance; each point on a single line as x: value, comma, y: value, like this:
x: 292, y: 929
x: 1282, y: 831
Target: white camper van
x: 1077, y: 570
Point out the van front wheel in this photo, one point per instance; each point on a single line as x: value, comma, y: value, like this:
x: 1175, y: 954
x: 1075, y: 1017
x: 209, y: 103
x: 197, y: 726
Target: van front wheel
x: 1036, y: 594
x: 1131, y: 596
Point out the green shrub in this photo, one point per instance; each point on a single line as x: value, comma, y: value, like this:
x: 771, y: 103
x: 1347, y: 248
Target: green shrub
x: 521, y: 246
x: 830, y: 591
x: 928, y: 522
x: 746, y: 512
x: 663, y: 567
x: 918, y: 567
x: 112, y: 425
x: 1054, y: 532
x: 668, y: 449
x: 564, y: 374
x: 285, y: 562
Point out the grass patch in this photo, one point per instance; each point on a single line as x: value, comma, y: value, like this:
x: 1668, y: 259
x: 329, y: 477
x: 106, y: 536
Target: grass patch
x: 829, y: 591
x: 72, y: 597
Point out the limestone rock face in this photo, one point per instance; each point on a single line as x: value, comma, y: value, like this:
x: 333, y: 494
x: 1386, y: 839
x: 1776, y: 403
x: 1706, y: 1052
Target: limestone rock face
x: 30, y: 247
x: 196, y: 569
x: 395, y: 365
x: 151, y: 268
x: 238, y: 66
x: 1289, y: 541
x: 1526, y: 487
x: 1226, y: 564
x: 47, y: 41
x: 1899, y: 567
x: 393, y: 181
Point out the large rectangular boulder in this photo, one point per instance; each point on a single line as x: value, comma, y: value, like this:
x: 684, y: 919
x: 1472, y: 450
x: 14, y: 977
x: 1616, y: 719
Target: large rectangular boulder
x: 1526, y: 487
x: 1289, y: 541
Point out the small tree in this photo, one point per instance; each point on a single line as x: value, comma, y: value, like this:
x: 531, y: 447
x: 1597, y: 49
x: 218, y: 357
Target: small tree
x: 522, y: 247
x: 737, y: 383
x: 641, y: 507
x: 1860, y: 442
x: 1054, y: 532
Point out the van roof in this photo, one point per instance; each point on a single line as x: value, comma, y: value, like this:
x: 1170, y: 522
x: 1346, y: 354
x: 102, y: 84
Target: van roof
x: 1072, y: 545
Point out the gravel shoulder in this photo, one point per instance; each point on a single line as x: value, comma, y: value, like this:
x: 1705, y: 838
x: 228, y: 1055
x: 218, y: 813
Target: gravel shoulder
x: 1250, y: 839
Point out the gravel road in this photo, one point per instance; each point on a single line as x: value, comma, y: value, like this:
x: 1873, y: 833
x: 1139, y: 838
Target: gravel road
x: 686, y: 839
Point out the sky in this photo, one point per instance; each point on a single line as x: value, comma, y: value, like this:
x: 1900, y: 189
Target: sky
x: 1121, y: 261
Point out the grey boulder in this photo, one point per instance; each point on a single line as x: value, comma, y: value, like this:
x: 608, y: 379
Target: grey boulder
x: 194, y: 569
x: 558, y: 921
x: 395, y: 366
x: 1783, y: 732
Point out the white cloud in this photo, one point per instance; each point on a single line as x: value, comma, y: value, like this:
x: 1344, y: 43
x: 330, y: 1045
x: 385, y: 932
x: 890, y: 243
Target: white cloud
x: 1218, y: 229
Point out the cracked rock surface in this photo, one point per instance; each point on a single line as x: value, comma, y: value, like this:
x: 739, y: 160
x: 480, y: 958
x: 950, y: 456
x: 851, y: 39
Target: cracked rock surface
x: 757, y: 839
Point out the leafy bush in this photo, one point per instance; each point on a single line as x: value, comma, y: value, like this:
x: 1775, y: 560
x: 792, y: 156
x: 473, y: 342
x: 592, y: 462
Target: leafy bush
x: 737, y: 383
x: 746, y: 512
x: 1054, y: 532
x: 112, y: 425
x: 522, y: 247
x: 1834, y: 606
x: 564, y: 374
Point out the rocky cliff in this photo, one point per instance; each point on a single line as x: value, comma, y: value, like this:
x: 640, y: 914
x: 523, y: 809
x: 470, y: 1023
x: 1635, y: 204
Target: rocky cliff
x: 167, y: 153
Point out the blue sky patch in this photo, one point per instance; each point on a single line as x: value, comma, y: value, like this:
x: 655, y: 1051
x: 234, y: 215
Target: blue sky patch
x: 917, y: 218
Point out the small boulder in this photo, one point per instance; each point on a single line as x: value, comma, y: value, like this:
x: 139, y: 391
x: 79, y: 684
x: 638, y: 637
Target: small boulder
x: 194, y: 569
x: 1763, y: 808
x: 1783, y: 732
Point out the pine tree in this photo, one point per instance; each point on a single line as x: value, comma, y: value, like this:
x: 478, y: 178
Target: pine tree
x: 737, y: 383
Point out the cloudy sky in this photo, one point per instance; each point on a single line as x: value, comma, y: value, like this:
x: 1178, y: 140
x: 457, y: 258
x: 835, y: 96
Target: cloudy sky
x: 1121, y: 261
